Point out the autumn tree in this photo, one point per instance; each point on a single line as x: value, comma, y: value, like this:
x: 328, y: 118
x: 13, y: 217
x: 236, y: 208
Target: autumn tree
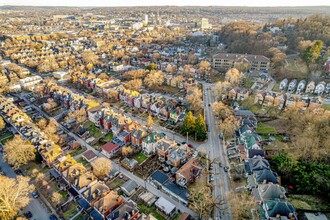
x: 42, y: 123
x: 221, y: 88
x: 90, y: 57
x: 102, y: 167
x: 234, y: 76
x: 189, y: 124
x: 150, y: 122
x: 241, y: 205
x: 228, y: 126
x: 14, y: 195
x: 56, y: 198
x: 135, y: 74
x: 2, y: 123
x: 47, y: 65
x: 200, y: 129
x: 134, y: 84
x: 194, y: 97
x: 177, y: 79
x: 126, y: 151
x: 313, y: 52
x: 19, y: 151
x: 151, y: 66
x: 112, y: 95
x: 221, y: 110
x: 154, y: 78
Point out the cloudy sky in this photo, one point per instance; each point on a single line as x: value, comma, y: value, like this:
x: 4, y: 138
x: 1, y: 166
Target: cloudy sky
x: 166, y: 2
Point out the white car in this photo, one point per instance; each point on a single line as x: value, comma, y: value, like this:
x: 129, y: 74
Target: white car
x: 195, y: 154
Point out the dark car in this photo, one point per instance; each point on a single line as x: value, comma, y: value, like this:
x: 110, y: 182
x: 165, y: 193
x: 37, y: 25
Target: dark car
x: 28, y: 214
x: 226, y: 168
x: 19, y: 172
x: 190, y: 145
x: 209, y: 104
x: 52, y: 217
x: 35, y: 195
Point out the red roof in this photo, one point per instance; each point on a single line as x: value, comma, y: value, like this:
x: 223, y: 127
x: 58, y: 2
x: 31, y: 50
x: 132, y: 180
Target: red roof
x: 110, y: 147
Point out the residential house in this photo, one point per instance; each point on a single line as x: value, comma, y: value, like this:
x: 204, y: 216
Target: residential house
x: 137, y: 136
x: 310, y: 87
x: 109, y: 149
x: 269, y: 99
x: 163, y: 147
x: 269, y: 191
x: 280, y: 100
x: 164, y: 113
x: 178, y: 155
x: 275, y: 210
x: 127, y: 211
x: 284, y: 84
x: 301, y: 86
x: 165, y: 207
x: 150, y: 142
x: 83, y: 181
x: 320, y: 88
x: 95, y: 191
x: 188, y: 172
x: 292, y: 86
x: 74, y: 172
x: 262, y: 177
x: 129, y: 187
x: 89, y: 156
x: 108, y: 203
x: 92, y: 114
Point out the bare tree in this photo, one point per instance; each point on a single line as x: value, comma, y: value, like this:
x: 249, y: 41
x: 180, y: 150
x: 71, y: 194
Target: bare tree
x: 202, y: 202
x: 14, y: 195
x: 241, y: 205
x: 228, y: 126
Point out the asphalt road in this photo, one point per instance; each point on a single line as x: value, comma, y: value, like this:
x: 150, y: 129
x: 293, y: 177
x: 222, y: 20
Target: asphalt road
x: 216, y: 152
x: 37, y: 208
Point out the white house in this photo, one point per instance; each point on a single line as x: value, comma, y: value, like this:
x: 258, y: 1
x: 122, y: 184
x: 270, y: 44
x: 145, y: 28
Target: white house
x: 284, y: 84
x: 320, y: 88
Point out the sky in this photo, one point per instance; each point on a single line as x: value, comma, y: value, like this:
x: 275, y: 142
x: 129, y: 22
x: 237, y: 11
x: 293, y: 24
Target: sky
x: 166, y: 2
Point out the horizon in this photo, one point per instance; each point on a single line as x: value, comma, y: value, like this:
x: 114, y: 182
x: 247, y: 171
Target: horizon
x: 151, y: 3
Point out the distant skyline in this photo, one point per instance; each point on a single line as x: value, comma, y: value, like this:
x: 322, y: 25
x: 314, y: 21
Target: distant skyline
x: 250, y: 3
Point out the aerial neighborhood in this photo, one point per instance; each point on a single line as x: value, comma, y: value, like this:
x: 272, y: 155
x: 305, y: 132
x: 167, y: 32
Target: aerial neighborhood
x: 173, y: 113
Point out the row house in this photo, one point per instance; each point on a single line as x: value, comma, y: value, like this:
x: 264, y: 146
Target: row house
x: 177, y: 156
x: 150, y: 142
x: 128, y: 96
x: 188, y: 173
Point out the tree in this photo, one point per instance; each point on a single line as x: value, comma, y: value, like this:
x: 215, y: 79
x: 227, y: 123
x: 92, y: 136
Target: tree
x: 201, y: 132
x: 134, y: 84
x: 19, y: 151
x: 126, y: 151
x: 154, y: 78
x: 205, y: 65
x: 14, y: 195
x: 313, y: 52
x: 2, y: 123
x: 151, y: 66
x: 241, y: 205
x: 102, y: 167
x: 112, y: 95
x: 194, y: 97
x: 202, y: 202
x: 234, y: 76
x: 150, y: 122
x: 228, y: 126
x: 56, y: 199
x: 176, y: 80
x: 221, y: 88
x: 42, y: 123
x: 188, y: 125
x: 90, y: 57
x: 47, y: 65
x: 221, y: 110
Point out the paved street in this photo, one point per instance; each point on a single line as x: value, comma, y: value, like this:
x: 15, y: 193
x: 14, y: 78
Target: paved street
x: 216, y: 152
x: 37, y: 208
x: 140, y: 181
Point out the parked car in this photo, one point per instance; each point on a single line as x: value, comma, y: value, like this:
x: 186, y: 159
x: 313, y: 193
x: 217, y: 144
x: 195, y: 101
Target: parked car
x: 19, y: 172
x: 28, y: 214
x: 35, y: 195
x: 52, y: 217
x: 226, y: 168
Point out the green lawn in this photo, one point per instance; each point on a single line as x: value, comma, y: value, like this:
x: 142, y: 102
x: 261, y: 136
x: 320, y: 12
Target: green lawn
x: 117, y: 182
x: 147, y: 210
x: 141, y: 157
x: 71, y: 211
x: 88, y: 124
x: 309, y: 202
x: 263, y: 128
x: 326, y: 106
x: 108, y: 137
x: 81, y: 160
x: 93, y: 130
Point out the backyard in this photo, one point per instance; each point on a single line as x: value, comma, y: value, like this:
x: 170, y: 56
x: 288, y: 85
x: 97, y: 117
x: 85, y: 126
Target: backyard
x: 93, y: 130
x: 265, y: 129
x: 140, y: 157
x: 116, y: 182
x: 70, y: 210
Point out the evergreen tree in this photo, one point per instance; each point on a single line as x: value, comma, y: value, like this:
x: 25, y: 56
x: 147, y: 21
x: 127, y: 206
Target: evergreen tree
x: 200, y: 129
x: 189, y: 124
